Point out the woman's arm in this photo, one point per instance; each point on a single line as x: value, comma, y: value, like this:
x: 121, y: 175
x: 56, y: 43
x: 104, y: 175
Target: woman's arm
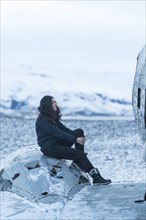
x: 64, y: 128
x: 80, y: 140
x: 52, y: 129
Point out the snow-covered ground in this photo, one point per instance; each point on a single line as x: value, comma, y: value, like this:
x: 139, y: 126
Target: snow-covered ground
x: 113, y: 146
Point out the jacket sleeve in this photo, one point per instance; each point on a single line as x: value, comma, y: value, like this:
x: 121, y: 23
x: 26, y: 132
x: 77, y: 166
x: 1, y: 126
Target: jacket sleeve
x: 52, y: 129
x: 64, y: 128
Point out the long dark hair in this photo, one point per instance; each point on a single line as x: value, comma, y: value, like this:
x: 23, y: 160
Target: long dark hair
x: 45, y: 109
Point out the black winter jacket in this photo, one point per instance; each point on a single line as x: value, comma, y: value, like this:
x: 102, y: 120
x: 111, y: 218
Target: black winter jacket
x: 50, y: 134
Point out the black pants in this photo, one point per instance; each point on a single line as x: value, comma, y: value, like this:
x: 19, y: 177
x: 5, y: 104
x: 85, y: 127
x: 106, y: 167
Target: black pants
x: 64, y: 151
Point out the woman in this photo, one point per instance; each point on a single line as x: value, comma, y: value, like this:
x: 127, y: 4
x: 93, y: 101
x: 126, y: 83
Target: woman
x: 56, y: 140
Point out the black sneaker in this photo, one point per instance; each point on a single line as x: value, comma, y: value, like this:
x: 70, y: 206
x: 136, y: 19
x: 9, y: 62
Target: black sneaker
x: 97, y: 178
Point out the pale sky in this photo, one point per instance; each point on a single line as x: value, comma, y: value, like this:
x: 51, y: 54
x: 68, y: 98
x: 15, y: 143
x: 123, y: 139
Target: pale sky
x: 83, y: 35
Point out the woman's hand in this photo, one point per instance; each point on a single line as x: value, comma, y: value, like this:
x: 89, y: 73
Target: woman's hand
x: 80, y: 140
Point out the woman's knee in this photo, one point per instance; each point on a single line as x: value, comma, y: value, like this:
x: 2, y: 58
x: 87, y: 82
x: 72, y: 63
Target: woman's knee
x: 78, y: 132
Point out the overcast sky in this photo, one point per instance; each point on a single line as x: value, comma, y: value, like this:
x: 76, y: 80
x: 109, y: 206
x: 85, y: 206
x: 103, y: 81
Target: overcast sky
x: 83, y: 35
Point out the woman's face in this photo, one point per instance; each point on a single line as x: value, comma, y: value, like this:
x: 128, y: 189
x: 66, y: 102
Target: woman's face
x: 54, y: 104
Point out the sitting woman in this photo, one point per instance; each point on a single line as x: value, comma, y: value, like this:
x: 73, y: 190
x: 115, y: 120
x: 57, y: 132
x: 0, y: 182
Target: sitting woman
x: 55, y: 139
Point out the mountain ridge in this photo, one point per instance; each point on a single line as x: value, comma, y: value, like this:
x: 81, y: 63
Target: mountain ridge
x: 77, y: 93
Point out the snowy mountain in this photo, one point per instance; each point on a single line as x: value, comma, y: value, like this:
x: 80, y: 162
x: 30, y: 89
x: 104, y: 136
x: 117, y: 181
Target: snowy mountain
x: 78, y: 93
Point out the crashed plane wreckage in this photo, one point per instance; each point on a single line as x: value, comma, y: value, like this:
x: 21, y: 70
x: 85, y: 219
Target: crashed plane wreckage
x: 39, y: 178
x: 139, y: 94
x: 139, y: 100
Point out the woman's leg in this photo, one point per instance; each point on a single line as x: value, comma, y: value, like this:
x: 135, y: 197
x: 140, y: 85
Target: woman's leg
x: 78, y: 156
x: 79, y: 133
